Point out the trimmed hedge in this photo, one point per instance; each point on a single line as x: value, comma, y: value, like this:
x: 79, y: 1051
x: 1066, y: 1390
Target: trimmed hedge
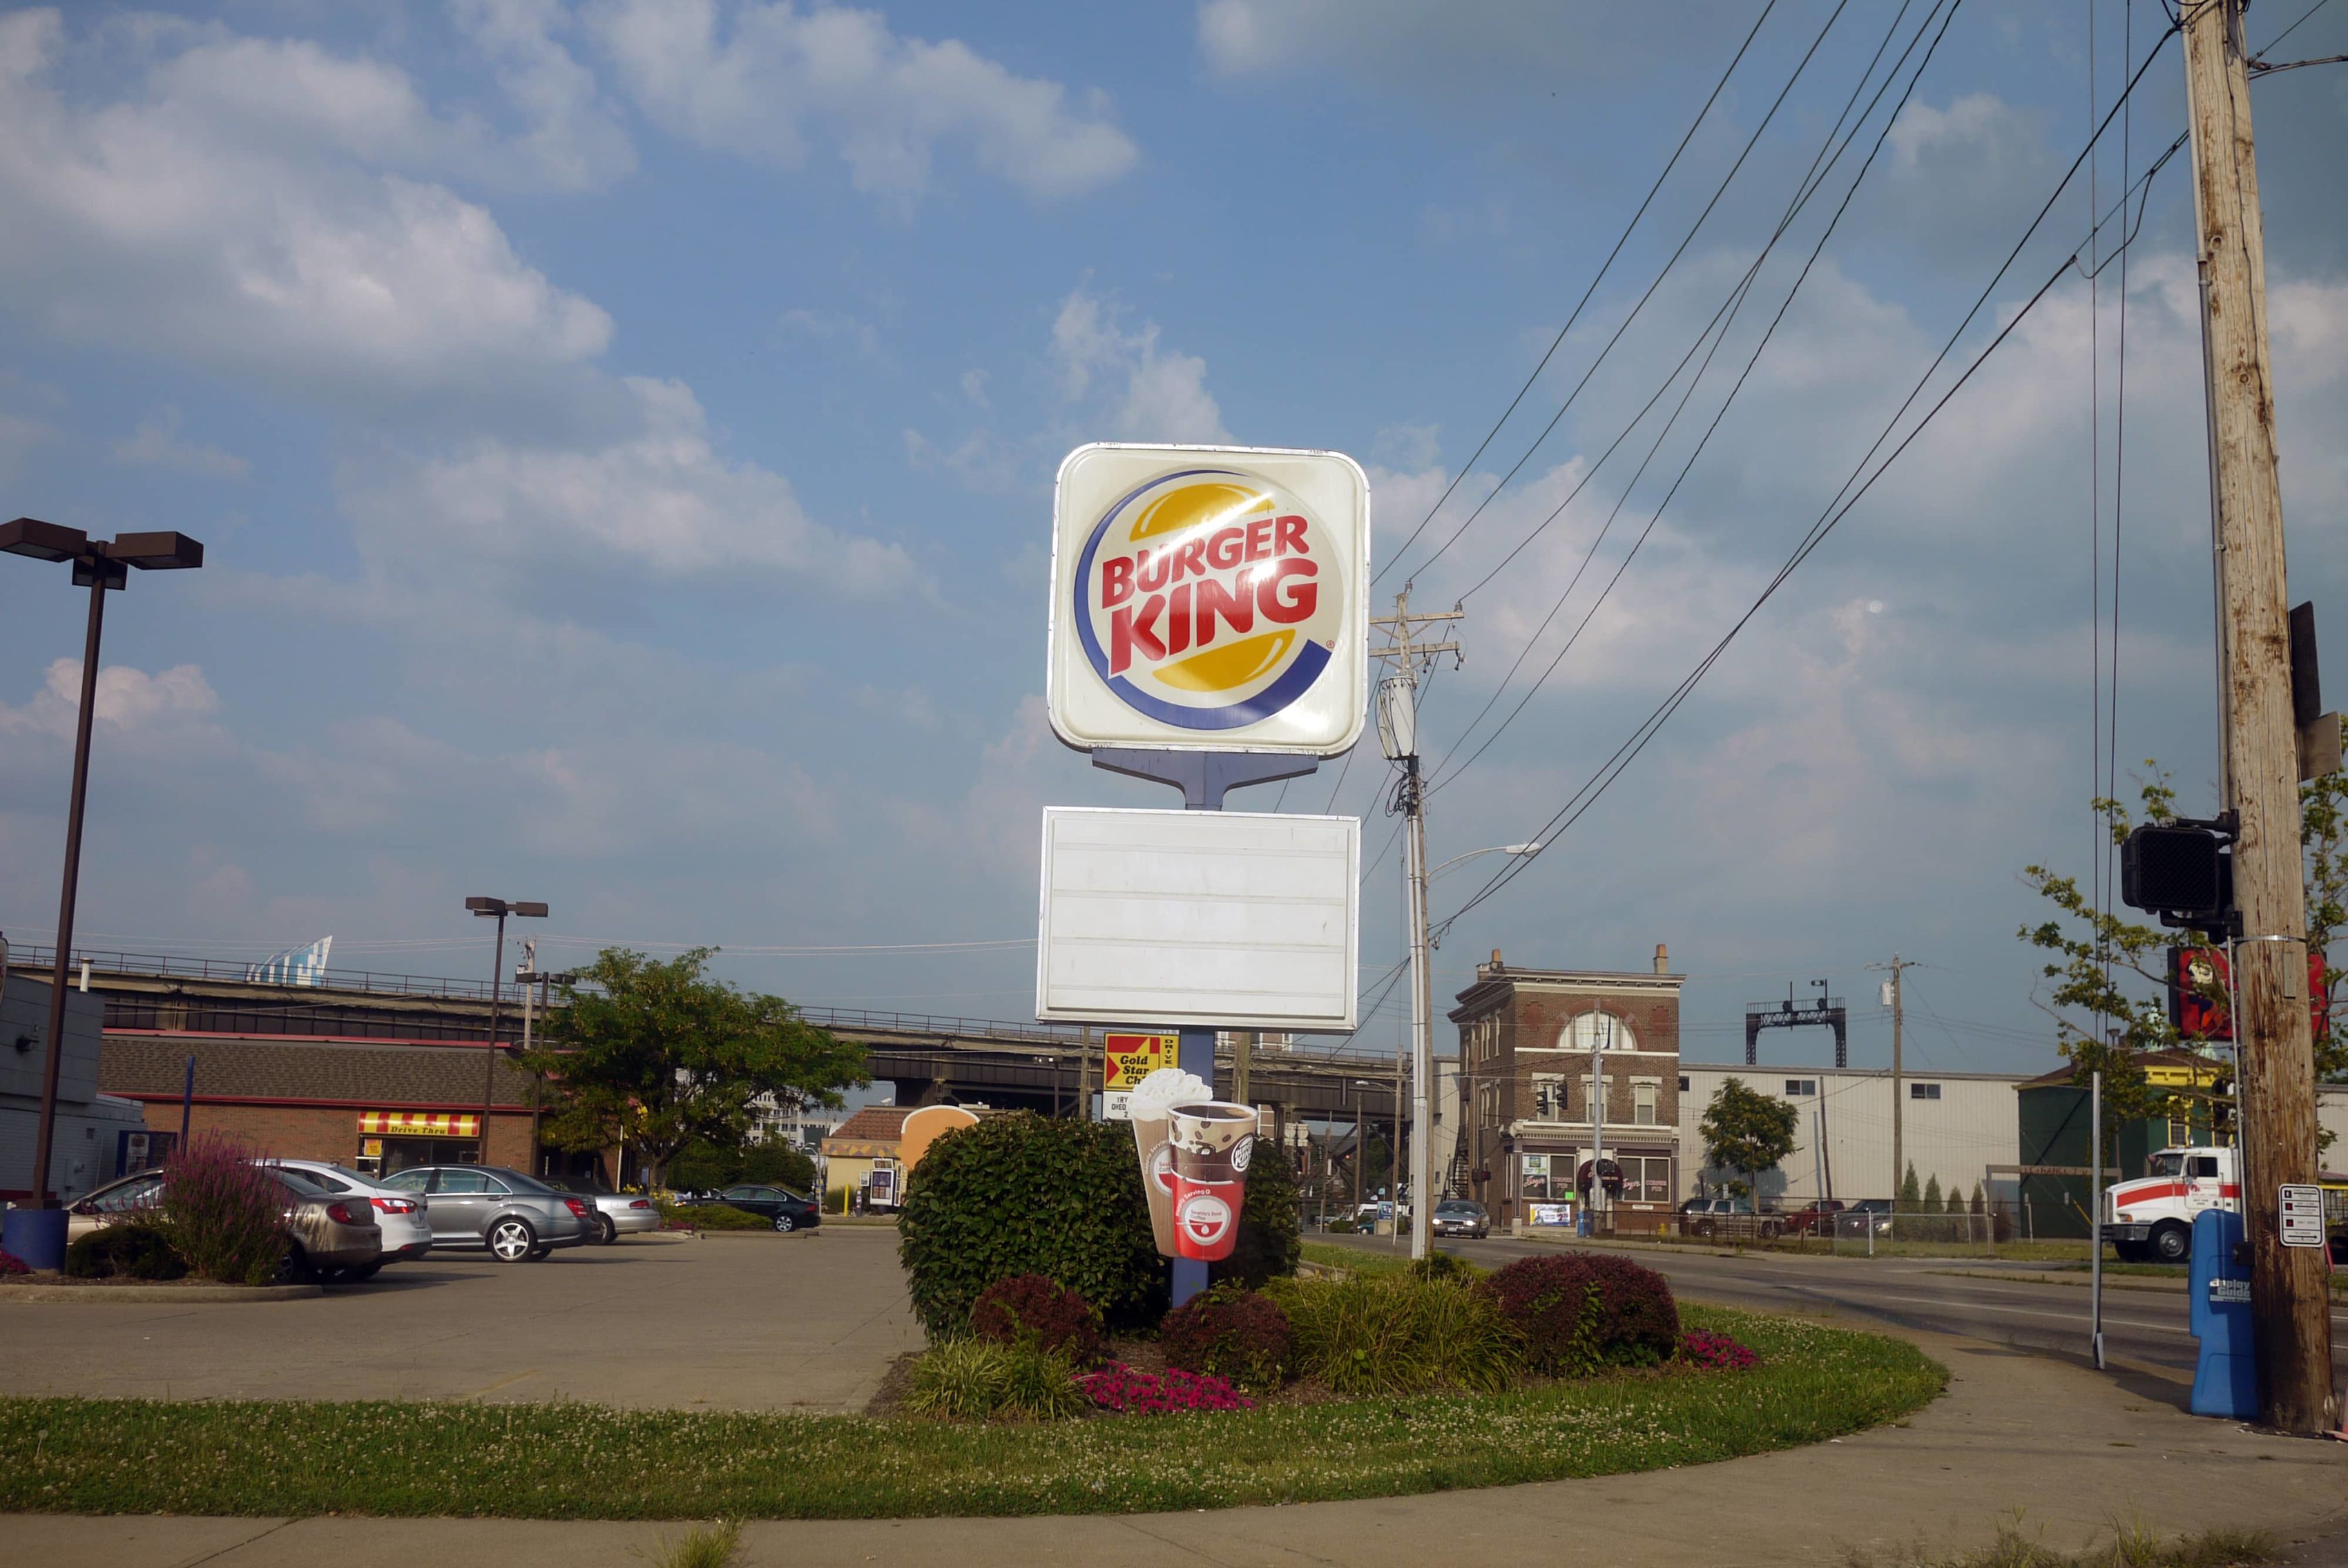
x: 1233, y: 1333
x: 1579, y: 1311
x: 1023, y: 1193
x: 134, y: 1249
x: 1271, y: 1238
x: 1028, y: 1307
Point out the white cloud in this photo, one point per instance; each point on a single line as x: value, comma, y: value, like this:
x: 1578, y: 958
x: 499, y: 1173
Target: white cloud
x: 128, y: 699
x: 660, y: 500
x: 155, y: 443
x: 201, y: 216
x: 1152, y: 393
x: 780, y: 74
x: 1447, y: 51
x: 573, y: 139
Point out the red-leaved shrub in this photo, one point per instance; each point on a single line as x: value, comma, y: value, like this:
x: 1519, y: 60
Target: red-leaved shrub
x: 1119, y: 1387
x: 11, y: 1264
x: 1715, y: 1352
x: 1581, y: 1310
x: 1234, y: 1333
x: 1029, y: 1307
x: 226, y: 1215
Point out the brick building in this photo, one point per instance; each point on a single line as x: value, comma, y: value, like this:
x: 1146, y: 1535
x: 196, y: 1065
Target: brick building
x: 372, y: 1105
x: 1531, y: 1042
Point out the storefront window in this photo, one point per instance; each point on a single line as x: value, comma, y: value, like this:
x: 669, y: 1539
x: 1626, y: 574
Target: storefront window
x: 1536, y: 1179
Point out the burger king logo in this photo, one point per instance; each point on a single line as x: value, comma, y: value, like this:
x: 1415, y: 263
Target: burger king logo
x: 1209, y: 599
x: 1240, y: 1152
x: 1204, y: 1218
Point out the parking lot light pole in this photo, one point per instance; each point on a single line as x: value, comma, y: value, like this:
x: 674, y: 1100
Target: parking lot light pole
x: 497, y: 909
x: 99, y: 565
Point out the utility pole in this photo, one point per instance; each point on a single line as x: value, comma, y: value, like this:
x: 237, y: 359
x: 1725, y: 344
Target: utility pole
x: 2276, y: 1083
x: 1398, y: 733
x: 1899, y: 1102
x: 1600, y: 1028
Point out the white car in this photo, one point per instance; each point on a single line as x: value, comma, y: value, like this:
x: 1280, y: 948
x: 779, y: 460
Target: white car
x: 406, y: 1230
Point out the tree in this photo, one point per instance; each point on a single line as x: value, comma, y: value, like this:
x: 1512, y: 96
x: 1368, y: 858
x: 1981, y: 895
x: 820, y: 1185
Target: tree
x: 1981, y: 1199
x: 701, y: 1166
x: 1932, y: 1203
x: 2108, y: 999
x: 1912, y: 1197
x: 662, y: 1054
x: 1746, y: 1130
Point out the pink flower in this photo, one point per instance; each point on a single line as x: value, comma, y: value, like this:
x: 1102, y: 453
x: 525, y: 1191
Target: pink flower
x: 1119, y: 1387
x: 1715, y: 1352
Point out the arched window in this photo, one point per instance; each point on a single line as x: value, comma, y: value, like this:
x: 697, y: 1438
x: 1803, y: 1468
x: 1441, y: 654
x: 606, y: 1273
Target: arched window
x: 1598, y: 1031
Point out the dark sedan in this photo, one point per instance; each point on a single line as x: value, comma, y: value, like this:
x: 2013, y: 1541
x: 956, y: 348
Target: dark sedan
x: 780, y: 1206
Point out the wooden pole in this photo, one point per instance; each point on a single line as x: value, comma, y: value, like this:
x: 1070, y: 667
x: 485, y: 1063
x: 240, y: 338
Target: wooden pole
x: 2289, y: 1305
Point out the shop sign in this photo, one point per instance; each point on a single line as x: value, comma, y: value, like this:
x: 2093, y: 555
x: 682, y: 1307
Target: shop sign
x: 1134, y: 1057
x: 1209, y: 599
x: 420, y: 1123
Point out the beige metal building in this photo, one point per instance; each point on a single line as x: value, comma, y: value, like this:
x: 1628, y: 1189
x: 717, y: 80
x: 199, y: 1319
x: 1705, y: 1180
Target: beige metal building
x: 1955, y: 1125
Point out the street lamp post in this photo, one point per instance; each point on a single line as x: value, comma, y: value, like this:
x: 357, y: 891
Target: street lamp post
x: 99, y: 565
x: 497, y: 909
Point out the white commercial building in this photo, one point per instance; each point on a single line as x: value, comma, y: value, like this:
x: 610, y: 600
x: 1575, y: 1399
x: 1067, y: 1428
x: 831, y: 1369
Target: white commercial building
x: 95, y: 1133
x: 1954, y: 1125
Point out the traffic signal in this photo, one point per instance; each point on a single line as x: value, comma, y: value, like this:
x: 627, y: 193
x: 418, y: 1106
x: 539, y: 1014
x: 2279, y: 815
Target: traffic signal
x: 2182, y: 871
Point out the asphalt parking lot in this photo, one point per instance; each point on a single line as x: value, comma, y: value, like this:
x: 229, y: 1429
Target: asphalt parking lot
x: 747, y: 1321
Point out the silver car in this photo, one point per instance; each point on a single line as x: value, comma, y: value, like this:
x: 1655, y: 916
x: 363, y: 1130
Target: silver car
x: 330, y: 1236
x: 513, y: 1218
x: 616, y: 1213
x: 406, y: 1235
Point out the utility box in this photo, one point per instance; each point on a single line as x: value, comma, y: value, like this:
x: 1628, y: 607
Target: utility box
x: 2226, y: 1382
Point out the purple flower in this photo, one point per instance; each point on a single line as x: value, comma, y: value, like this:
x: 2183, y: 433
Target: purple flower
x: 1119, y: 1387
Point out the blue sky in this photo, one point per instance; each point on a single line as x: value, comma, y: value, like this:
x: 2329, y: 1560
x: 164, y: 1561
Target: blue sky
x: 624, y: 434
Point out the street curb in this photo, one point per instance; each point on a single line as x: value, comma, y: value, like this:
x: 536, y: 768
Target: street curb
x: 155, y: 1294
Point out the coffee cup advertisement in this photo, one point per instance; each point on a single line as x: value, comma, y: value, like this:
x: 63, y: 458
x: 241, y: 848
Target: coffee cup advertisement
x: 1151, y: 1107
x: 1212, y: 1140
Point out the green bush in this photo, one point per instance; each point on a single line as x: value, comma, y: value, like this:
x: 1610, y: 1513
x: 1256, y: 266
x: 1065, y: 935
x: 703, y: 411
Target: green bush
x: 134, y: 1249
x: 1396, y: 1334
x: 705, y: 1167
x: 1445, y: 1266
x: 1270, y: 1240
x: 981, y: 1381
x: 1343, y: 1225
x: 721, y: 1217
x: 1022, y: 1193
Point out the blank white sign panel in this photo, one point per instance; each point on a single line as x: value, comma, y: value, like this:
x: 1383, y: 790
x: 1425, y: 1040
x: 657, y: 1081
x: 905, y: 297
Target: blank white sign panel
x: 1212, y: 919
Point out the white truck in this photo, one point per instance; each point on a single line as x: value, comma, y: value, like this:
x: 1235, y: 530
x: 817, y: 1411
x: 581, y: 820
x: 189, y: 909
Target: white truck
x: 2151, y: 1220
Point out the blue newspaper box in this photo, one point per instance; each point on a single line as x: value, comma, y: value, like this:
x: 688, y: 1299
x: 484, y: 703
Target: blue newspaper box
x: 2226, y: 1383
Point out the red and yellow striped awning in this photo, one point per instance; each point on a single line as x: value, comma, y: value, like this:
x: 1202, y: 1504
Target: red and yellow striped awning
x: 420, y: 1123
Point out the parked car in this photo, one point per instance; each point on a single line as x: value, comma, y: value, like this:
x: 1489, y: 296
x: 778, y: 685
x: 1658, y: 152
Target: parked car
x: 515, y: 1218
x: 1712, y: 1216
x: 406, y: 1235
x: 616, y: 1213
x: 1814, y: 1219
x: 785, y: 1209
x: 1878, y: 1213
x: 331, y: 1237
x: 1461, y: 1217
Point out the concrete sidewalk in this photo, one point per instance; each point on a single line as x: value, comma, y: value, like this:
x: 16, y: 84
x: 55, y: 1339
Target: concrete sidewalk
x: 2068, y: 1450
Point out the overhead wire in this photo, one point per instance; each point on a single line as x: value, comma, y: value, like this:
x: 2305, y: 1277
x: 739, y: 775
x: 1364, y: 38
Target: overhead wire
x: 1575, y: 315
x: 1443, y: 778
x: 1853, y: 488
x: 1624, y: 325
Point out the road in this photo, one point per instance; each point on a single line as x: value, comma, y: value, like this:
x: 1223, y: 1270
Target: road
x: 2143, y: 1331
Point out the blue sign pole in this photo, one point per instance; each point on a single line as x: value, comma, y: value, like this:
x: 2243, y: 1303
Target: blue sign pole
x: 1202, y: 777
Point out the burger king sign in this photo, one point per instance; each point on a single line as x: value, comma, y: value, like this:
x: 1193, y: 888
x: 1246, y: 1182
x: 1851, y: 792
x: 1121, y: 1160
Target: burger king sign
x: 1210, y: 598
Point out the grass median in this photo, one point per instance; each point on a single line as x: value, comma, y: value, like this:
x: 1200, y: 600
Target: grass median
x: 583, y: 1461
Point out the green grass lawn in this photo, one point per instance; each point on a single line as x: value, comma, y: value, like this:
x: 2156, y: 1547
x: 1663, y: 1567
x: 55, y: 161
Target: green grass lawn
x: 583, y: 1461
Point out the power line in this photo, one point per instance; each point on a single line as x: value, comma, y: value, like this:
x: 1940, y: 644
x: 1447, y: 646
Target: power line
x: 1624, y: 327
x: 1623, y: 239
x: 1846, y: 496
x: 1721, y: 413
